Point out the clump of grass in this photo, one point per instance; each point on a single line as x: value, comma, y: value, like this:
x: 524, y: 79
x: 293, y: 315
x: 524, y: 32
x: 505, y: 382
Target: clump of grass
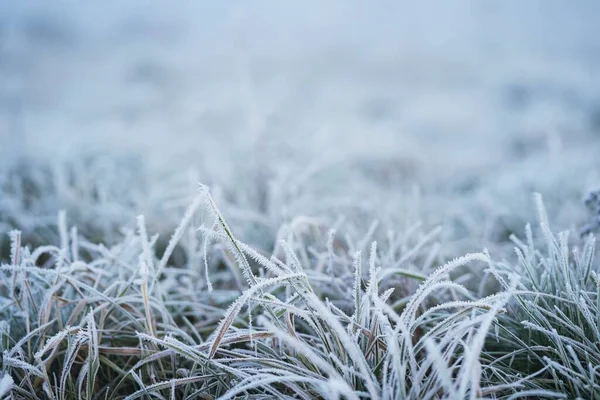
x: 323, y: 316
x: 124, y: 322
x: 33, y: 190
x: 72, y: 322
x: 550, y: 339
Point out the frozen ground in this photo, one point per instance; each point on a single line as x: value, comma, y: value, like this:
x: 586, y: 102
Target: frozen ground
x: 413, y: 115
x: 448, y: 91
x: 479, y: 103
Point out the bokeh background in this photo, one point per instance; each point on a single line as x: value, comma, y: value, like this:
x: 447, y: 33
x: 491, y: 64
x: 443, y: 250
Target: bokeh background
x: 449, y: 113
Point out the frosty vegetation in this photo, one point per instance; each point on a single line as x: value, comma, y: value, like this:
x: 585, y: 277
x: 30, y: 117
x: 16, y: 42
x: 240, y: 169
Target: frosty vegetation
x: 322, y: 316
x: 289, y: 213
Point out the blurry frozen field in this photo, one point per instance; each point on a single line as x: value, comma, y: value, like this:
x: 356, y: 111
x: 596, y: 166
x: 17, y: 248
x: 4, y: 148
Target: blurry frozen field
x: 401, y: 111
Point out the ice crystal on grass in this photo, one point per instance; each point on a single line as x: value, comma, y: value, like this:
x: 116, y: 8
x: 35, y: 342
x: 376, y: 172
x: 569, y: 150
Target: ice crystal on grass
x: 552, y: 325
x: 302, y: 343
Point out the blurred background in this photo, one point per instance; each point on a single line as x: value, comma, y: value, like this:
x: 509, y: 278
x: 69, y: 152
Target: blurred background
x: 390, y: 110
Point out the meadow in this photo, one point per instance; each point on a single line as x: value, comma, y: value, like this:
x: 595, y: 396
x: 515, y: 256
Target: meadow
x: 340, y: 201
